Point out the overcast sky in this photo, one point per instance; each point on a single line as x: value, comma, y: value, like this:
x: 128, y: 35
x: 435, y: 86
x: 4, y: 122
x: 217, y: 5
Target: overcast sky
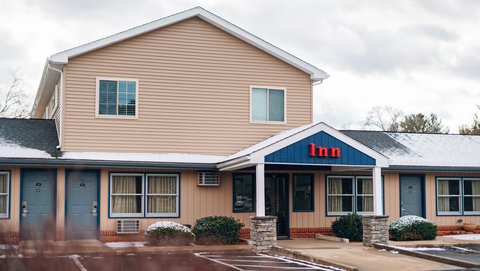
x: 418, y: 56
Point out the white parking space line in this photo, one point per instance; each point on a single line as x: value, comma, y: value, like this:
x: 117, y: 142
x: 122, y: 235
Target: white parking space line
x: 262, y: 262
x: 77, y: 262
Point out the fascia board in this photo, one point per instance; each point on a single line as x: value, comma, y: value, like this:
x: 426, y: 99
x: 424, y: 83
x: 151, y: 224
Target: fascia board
x: 316, y: 74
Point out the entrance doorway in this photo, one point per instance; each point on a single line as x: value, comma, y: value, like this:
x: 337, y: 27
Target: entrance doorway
x: 412, y: 195
x: 37, y: 209
x: 276, y: 202
x: 82, y: 205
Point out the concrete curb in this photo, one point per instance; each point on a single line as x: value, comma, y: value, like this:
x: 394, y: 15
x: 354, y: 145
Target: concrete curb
x: 430, y: 257
x: 331, y: 238
x: 277, y: 250
x: 182, y: 249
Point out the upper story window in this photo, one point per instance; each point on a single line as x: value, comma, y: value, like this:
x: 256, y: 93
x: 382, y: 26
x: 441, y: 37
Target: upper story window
x: 267, y: 105
x: 117, y: 97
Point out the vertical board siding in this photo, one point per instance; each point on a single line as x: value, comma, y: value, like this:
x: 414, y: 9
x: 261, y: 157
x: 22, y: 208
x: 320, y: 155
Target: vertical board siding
x: 430, y: 184
x: 299, y: 152
x: 60, y: 210
x: 195, y: 201
x: 194, y: 93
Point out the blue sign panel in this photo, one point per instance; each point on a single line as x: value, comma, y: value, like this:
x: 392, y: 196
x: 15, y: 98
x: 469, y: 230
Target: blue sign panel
x: 320, y: 148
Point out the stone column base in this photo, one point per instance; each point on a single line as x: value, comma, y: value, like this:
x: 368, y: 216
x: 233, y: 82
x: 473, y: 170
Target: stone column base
x: 263, y: 233
x: 375, y: 229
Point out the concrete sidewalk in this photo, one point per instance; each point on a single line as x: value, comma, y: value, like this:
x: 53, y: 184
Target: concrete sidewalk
x: 355, y: 256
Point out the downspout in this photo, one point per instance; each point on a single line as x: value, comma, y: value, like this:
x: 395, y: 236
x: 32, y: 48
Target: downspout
x: 60, y: 113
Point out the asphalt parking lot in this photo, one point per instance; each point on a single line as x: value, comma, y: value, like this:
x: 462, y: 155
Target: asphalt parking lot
x: 241, y: 260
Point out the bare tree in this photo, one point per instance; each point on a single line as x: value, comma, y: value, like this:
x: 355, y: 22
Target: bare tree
x: 385, y: 118
x: 420, y: 123
x: 474, y: 129
x: 13, y: 100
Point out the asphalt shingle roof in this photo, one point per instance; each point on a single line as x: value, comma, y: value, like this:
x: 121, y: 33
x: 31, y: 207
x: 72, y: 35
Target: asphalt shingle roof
x: 36, y: 134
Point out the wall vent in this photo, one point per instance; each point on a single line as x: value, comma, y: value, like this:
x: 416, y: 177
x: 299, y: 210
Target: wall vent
x: 208, y: 179
x: 128, y: 226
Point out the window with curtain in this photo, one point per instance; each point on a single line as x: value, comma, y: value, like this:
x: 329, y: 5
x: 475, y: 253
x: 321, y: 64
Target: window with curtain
x: 243, y: 193
x: 303, y: 192
x: 4, y: 194
x: 448, y: 195
x: 471, y: 196
x: 268, y: 105
x: 339, y: 195
x: 162, y: 195
x: 126, y: 192
x: 364, y: 195
x: 117, y: 97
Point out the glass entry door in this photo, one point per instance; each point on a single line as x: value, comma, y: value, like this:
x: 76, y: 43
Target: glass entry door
x: 276, y: 201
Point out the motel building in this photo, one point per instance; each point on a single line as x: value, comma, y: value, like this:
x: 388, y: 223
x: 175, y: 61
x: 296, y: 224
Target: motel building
x: 192, y: 116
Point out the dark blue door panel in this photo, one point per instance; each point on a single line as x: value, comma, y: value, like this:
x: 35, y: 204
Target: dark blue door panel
x: 411, y: 195
x: 37, y: 207
x: 82, y: 205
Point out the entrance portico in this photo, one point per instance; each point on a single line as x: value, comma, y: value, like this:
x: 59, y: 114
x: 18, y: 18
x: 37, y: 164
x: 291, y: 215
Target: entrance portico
x: 313, y: 146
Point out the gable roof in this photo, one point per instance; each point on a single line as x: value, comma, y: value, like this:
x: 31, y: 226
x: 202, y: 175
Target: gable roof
x: 315, y: 73
x: 257, y: 152
x: 28, y: 138
x: 422, y: 150
x: 56, y: 61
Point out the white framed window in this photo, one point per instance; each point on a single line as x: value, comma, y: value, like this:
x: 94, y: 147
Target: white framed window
x: 162, y: 195
x: 268, y: 104
x: 117, y: 97
x: 126, y: 194
x: 449, y: 196
x: 471, y: 196
x: 4, y: 194
x: 364, y: 195
x: 340, y: 195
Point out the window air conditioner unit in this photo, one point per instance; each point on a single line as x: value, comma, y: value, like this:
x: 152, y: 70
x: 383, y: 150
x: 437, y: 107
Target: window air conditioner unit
x: 128, y: 226
x: 208, y: 179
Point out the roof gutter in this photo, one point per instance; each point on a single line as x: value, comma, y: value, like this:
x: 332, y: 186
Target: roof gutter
x: 60, y: 115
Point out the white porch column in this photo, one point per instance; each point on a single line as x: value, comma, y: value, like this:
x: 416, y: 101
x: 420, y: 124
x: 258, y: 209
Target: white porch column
x: 260, y: 189
x: 377, y: 191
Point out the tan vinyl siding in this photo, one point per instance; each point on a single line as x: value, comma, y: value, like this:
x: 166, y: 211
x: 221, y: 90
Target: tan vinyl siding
x: 194, y: 93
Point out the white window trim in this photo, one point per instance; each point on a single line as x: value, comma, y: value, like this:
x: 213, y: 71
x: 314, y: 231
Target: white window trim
x: 284, y: 105
x: 363, y: 195
x: 459, y: 196
x: 176, y: 214
x: 469, y: 196
x: 97, y: 98
x: 330, y: 213
x: 111, y: 194
x: 7, y: 213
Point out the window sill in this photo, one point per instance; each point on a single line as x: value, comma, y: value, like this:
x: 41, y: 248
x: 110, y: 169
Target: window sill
x: 268, y: 122
x: 449, y: 214
x: 116, y: 117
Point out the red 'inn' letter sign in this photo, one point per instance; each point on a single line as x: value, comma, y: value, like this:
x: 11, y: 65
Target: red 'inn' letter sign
x: 323, y: 151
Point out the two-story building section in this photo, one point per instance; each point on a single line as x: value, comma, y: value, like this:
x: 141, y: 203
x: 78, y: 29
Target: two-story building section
x: 191, y: 116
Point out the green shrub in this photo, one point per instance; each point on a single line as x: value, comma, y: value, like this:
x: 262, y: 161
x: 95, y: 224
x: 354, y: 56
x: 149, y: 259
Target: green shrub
x: 410, y: 228
x: 217, y: 230
x: 168, y: 233
x: 348, y: 226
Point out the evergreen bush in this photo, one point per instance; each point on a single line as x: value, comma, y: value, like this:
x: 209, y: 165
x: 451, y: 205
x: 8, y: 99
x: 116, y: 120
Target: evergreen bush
x: 217, y: 230
x: 348, y: 226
